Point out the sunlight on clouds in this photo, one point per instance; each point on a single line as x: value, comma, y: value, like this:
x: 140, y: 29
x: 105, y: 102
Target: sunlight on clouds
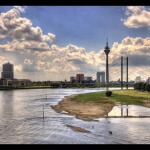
x: 2, y: 60
x: 16, y: 27
x: 138, y: 52
x: 43, y: 65
x: 56, y: 69
x: 70, y: 67
x: 17, y: 68
x: 138, y: 16
x: 25, y: 45
x: 50, y: 37
x: 72, y: 48
x: 134, y: 10
x: 58, y: 60
x: 28, y: 61
x: 65, y: 60
x: 30, y: 49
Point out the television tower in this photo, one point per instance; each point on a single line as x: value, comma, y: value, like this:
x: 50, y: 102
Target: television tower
x: 107, y: 50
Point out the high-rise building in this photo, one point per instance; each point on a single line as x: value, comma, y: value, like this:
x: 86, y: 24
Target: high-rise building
x: 80, y: 77
x: 101, y: 77
x: 7, y: 71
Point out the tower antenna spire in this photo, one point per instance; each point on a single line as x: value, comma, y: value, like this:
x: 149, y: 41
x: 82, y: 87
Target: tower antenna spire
x: 107, y: 42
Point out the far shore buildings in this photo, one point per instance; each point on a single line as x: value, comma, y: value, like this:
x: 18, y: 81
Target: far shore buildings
x: 7, y: 76
x: 139, y: 79
x: 8, y: 71
x: 80, y: 78
x: 148, y: 80
x: 100, y: 77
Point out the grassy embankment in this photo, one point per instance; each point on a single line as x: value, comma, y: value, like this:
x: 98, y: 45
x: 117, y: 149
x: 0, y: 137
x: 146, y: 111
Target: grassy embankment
x: 125, y: 96
x: 24, y: 87
x: 35, y: 87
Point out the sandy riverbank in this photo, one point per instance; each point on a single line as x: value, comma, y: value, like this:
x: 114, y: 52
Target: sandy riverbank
x: 85, y: 111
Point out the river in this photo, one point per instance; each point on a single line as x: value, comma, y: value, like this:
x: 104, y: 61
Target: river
x: 22, y: 122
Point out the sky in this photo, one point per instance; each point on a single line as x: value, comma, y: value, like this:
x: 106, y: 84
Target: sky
x: 56, y: 42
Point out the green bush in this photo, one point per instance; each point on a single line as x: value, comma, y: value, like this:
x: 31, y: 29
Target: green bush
x: 108, y: 93
x: 147, y: 88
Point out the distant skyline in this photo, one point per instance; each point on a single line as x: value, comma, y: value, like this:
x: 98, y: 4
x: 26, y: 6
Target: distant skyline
x: 56, y: 42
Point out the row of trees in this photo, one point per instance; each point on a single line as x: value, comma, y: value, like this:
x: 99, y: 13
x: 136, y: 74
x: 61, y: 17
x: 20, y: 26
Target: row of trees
x: 141, y: 86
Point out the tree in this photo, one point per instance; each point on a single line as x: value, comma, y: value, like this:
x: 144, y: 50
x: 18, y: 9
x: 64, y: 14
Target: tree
x: 108, y: 93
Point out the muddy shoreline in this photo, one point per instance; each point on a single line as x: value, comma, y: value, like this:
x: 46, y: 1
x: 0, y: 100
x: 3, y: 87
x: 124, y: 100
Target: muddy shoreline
x: 85, y: 111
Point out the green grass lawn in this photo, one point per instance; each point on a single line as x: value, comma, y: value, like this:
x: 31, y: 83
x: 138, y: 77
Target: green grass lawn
x: 129, y: 96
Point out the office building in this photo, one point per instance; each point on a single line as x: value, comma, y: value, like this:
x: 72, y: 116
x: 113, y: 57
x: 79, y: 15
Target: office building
x: 101, y: 77
x: 80, y: 77
x: 7, y: 71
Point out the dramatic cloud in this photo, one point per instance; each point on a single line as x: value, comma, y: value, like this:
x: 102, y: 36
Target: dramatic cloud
x: 138, y: 16
x: 62, y: 62
x: 138, y: 52
x: 15, y: 45
x: 35, y: 58
x: 16, y: 27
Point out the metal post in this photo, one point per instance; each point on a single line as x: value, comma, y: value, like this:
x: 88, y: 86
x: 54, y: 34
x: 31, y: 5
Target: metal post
x: 127, y: 110
x: 127, y: 74
x: 43, y: 111
x: 121, y: 110
x: 122, y: 72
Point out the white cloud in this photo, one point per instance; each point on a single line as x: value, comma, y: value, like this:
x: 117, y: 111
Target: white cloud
x: 58, y: 60
x: 25, y: 45
x: 2, y: 60
x: 62, y: 62
x: 28, y: 61
x: 16, y: 27
x: 18, y: 68
x: 138, y: 52
x: 21, y: 8
x: 43, y: 65
x: 31, y: 54
x: 137, y: 16
x: 134, y: 10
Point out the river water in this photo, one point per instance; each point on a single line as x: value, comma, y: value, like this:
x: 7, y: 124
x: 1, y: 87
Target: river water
x: 22, y: 122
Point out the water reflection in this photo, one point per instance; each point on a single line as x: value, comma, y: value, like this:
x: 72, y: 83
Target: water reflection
x: 21, y: 121
x: 7, y: 104
x: 129, y: 110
